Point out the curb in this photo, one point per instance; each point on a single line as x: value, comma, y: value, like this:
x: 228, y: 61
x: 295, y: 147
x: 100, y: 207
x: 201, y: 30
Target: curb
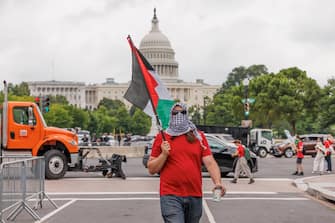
x: 300, y: 184
x: 318, y: 190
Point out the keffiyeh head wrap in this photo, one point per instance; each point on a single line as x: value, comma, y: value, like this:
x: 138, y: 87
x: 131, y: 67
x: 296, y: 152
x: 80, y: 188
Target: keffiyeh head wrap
x: 180, y: 124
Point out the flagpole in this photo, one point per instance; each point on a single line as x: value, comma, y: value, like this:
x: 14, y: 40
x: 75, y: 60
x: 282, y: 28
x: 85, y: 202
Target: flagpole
x: 160, y: 129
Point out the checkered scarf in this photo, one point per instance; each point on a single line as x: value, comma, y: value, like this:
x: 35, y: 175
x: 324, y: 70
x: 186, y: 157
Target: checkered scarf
x: 180, y: 124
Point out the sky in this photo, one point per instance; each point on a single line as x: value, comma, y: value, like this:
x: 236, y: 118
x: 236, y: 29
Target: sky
x: 85, y: 40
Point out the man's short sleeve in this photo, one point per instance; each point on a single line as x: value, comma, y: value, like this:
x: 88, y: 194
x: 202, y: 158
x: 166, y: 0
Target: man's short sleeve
x: 207, y: 151
x: 156, y: 146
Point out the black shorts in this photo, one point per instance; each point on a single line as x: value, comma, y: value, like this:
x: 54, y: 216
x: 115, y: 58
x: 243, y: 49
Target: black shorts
x: 299, y: 160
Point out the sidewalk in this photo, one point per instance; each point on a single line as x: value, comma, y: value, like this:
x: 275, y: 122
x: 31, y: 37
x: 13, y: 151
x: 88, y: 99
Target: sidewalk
x: 319, y: 186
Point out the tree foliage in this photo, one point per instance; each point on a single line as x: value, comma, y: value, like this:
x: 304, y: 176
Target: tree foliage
x: 238, y: 74
x: 288, y: 97
x: 19, y: 90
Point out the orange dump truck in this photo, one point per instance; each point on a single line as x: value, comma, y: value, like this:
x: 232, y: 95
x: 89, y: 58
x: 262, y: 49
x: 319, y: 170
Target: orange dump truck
x: 23, y: 129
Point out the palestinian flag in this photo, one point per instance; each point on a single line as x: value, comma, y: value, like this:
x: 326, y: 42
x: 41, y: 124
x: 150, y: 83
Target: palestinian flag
x: 146, y: 90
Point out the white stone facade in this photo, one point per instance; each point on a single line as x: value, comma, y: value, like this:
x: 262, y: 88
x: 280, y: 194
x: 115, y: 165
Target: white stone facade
x: 75, y: 92
x: 156, y: 47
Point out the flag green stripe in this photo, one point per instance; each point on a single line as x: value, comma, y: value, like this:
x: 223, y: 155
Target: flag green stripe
x: 163, y: 110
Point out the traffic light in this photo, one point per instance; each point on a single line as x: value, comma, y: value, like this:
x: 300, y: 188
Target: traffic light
x: 246, y: 108
x: 37, y: 101
x: 46, y: 104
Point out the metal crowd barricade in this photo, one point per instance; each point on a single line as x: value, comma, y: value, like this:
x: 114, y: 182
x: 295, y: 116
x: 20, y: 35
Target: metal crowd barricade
x: 21, y: 179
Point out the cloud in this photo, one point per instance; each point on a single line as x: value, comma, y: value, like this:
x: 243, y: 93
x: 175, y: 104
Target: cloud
x: 86, y: 39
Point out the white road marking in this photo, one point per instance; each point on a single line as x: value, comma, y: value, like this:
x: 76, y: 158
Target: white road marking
x: 245, y: 192
x: 208, y: 212
x: 157, y: 198
x: 56, y: 211
x: 205, y: 205
x: 151, y: 193
x: 265, y: 198
x: 157, y: 179
x: 102, y: 193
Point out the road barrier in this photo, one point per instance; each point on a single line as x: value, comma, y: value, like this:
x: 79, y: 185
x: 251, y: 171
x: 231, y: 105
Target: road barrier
x: 21, y: 180
x: 108, y: 151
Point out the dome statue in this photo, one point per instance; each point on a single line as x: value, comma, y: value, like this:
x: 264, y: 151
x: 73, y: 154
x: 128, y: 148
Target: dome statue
x: 156, y: 47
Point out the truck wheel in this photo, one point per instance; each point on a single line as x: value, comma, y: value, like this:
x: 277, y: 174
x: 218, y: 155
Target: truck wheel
x: 288, y: 153
x: 262, y: 152
x: 55, y: 164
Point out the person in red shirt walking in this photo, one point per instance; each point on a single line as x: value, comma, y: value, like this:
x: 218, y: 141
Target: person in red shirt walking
x: 300, y: 156
x: 242, y: 164
x: 328, y: 153
x: 178, y: 158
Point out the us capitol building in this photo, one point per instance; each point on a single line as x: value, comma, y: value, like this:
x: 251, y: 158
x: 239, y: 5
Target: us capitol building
x: 156, y: 47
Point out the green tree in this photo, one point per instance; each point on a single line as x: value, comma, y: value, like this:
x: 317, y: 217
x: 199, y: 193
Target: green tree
x: 110, y: 104
x: 226, y: 109
x: 140, y: 123
x: 238, y: 74
x: 59, y: 99
x: 289, y: 95
x: 21, y: 89
x: 106, y: 122
x: 80, y: 117
x: 327, y: 107
x: 123, y: 119
x: 93, y: 123
x: 194, y: 113
x: 59, y: 116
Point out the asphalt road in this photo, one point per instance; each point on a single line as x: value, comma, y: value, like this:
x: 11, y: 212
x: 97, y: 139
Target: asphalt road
x: 89, y: 197
x: 269, y: 167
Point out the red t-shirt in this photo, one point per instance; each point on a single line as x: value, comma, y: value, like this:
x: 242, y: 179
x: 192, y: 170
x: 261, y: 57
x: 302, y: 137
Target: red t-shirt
x: 327, y: 146
x: 299, y: 151
x: 240, y: 150
x: 181, y: 173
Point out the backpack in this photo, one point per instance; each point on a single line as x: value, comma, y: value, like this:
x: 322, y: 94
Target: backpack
x: 247, y: 153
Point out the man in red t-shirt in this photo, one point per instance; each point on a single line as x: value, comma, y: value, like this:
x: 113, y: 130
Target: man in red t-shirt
x: 300, y: 156
x: 177, y: 156
x: 241, y: 163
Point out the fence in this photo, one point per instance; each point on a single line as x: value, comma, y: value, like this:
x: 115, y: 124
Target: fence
x: 21, y: 179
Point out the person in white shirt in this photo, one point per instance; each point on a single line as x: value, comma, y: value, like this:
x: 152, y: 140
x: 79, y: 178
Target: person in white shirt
x: 319, y: 160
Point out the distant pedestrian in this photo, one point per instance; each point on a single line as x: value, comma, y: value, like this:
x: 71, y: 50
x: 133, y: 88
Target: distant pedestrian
x: 85, y: 138
x: 119, y: 139
x: 242, y: 164
x: 328, y: 153
x: 319, y: 160
x: 94, y: 137
x: 300, y: 156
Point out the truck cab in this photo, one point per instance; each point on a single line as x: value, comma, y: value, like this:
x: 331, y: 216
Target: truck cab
x: 261, y: 141
x: 23, y: 128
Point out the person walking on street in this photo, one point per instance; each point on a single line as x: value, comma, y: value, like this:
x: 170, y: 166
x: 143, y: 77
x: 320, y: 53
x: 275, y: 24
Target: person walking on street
x: 119, y: 139
x: 177, y: 155
x: 299, y: 150
x: 328, y: 154
x: 319, y: 160
x: 241, y: 164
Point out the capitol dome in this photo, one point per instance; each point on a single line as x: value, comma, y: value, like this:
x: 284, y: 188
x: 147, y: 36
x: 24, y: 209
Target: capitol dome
x: 156, y: 47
